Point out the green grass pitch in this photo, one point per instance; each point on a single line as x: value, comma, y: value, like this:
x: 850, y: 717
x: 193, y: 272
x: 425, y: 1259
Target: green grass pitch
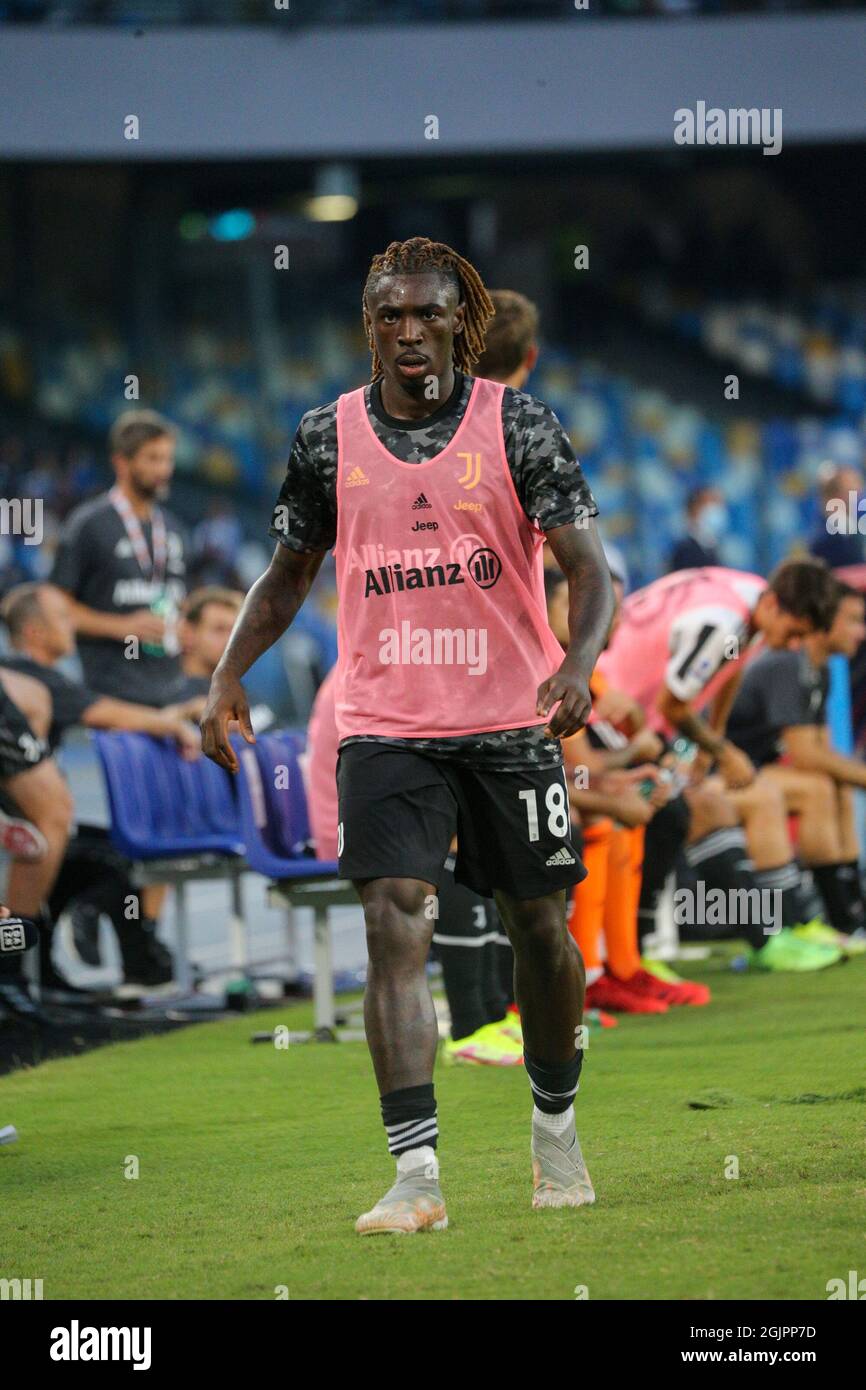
x: 254, y: 1162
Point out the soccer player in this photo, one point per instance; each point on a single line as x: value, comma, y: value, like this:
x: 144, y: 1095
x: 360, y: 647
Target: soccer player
x: 680, y: 646
x: 779, y: 719
x: 436, y: 490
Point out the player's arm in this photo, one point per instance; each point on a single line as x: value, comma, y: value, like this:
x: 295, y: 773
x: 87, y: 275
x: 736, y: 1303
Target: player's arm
x: 556, y: 499
x: 268, y: 609
x: 700, y: 644
x: 724, y: 701
x: 92, y: 622
x: 107, y: 713
x: 809, y: 752
x: 578, y: 552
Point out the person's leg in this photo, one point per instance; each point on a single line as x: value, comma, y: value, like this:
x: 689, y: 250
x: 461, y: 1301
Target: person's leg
x: 664, y: 838
x: 850, y: 846
x: 45, y: 800
x: 459, y: 938
x: 397, y: 821
x: 402, y: 1036
x: 763, y: 813
x: 620, y: 908
x: 549, y: 984
x: 811, y: 797
x: 586, y: 914
x: 824, y: 841
x: 398, y: 1009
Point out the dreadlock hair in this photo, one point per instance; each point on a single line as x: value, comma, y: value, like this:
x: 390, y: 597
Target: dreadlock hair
x: 421, y: 256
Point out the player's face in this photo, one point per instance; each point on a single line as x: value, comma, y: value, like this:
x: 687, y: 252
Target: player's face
x: 414, y: 320
x: 56, y: 627
x: 778, y: 627
x: 848, y: 630
x: 151, y: 467
x: 207, y: 640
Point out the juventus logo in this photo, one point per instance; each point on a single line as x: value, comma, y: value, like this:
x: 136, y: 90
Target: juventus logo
x: 472, y: 474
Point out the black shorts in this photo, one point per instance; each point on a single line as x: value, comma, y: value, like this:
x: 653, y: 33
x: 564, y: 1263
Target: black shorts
x: 20, y: 749
x: 399, y: 811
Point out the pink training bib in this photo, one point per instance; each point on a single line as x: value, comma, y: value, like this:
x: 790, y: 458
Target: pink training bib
x: 442, y: 622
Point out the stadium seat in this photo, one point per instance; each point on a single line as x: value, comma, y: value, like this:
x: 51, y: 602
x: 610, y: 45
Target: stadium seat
x: 276, y: 830
x: 177, y: 821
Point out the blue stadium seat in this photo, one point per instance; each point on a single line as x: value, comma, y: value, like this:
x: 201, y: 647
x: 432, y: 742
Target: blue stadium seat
x: 178, y: 821
x: 162, y: 805
x: 273, y: 805
x: 276, y: 830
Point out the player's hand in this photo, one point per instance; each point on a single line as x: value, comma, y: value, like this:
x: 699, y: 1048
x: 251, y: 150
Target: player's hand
x: 736, y: 767
x: 187, y: 737
x: 646, y: 746
x: 615, y: 706
x: 146, y: 626
x: 571, y: 691
x: 227, y: 701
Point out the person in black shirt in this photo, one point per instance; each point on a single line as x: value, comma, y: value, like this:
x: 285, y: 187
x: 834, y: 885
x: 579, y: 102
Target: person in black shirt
x: 706, y: 518
x: 31, y: 784
x: 120, y: 557
x: 779, y: 717
x: 38, y: 618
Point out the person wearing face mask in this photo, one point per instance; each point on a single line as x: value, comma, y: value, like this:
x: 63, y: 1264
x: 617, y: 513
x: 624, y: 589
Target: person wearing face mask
x: 706, y: 519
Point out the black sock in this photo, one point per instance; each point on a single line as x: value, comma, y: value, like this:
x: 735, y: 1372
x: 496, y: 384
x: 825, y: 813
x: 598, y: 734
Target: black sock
x: 721, y: 859
x: 46, y: 941
x: 554, y: 1086
x: 786, y: 881
x: 409, y: 1117
x: 495, y: 1002
x: 461, y: 928
x: 665, y: 836
x: 505, y: 961
x: 844, y: 909
x: 855, y: 884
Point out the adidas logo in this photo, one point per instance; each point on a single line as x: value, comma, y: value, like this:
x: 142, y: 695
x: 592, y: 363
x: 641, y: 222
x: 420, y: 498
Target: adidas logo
x: 357, y: 478
x: 561, y: 857
x: 421, y: 504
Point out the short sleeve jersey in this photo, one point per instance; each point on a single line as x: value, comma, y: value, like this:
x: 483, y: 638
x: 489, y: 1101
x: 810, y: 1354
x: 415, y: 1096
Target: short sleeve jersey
x: 780, y: 690
x: 96, y: 564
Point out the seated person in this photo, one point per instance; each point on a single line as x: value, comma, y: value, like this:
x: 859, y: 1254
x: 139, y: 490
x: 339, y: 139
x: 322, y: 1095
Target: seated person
x: 681, y: 644
x: 39, y: 620
x: 779, y: 719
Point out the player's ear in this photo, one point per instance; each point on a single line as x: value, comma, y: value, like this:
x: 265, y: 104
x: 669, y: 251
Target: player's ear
x: 459, y: 318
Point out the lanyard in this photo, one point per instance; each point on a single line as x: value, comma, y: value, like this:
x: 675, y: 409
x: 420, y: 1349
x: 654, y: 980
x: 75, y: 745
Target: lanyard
x: 154, y: 568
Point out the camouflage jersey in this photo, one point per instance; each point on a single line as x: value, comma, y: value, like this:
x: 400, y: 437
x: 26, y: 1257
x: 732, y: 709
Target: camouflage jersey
x: 547, y: 478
